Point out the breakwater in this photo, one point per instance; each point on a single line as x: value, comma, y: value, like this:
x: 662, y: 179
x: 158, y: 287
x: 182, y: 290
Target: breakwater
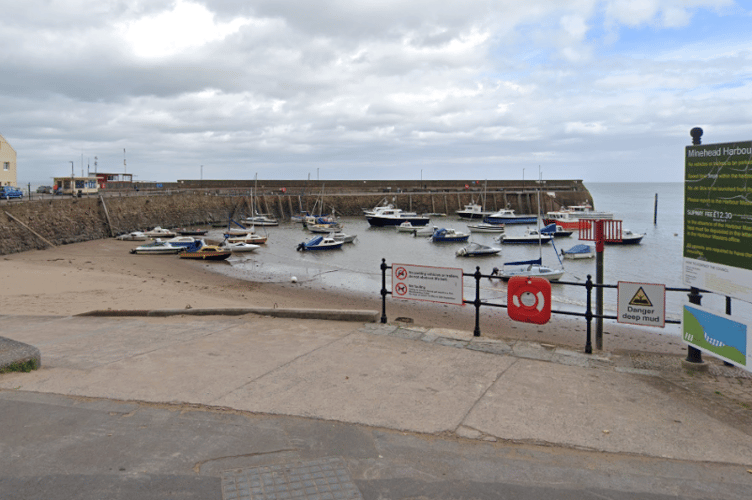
x: 34, y: 224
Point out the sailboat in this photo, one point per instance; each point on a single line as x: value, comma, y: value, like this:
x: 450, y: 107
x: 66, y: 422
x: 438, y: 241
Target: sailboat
x: 531, y: 268
x: 256, y: 218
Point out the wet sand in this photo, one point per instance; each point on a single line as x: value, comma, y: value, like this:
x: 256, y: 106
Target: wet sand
x: 102, y: 274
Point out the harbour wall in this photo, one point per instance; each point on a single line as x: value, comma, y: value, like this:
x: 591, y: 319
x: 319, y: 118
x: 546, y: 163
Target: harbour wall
x: 34, y: 224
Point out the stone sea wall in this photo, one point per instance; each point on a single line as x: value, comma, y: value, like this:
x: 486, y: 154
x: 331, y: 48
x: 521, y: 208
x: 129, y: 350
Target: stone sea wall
x: 31, y: 224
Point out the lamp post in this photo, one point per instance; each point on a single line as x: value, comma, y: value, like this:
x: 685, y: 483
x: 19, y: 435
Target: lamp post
x: 72, y: 180
x: 202, y: 173
x: 523, y: 180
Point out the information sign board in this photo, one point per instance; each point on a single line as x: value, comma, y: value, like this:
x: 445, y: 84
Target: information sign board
x: 717, y: 334
x: 718, y: 218
x: 641, y: 304
x: 433, y: 284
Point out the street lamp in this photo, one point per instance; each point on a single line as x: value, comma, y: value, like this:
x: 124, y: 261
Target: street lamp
x: 202, y: 173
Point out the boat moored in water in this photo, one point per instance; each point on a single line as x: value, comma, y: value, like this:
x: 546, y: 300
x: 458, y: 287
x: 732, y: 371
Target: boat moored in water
x: 507, y: 216
x: 527, y: 269
x: 448, y: 235
x: 477, y: 250
x: 395, y: 217
x: 320, y: 243
x: 580, y: 251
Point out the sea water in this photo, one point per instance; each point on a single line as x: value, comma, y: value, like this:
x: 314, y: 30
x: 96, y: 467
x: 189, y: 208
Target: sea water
x: 355, y: 269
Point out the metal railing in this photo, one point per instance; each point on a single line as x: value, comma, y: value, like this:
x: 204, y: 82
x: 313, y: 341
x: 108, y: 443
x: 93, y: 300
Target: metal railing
x: 694, y: 295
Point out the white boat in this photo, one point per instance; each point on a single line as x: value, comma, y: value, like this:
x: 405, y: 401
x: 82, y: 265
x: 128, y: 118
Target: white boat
x: 344, y: 238
x: 425, y: 231
x: 477, y: 250
x: 485, y: 227
x: 569, y: 217
x: 183, y: 241
x: 159, y: 232
x: 528, y: 269
x: 157, y: 247
x: 240, y: 247
x: 261, y: 220
x: 407, y: 227
x: 324, y: 228
x: 254, y: 239
x: 580, y: 251
x: 472, y: 211
x: 133, y: 236
x: 320, y: 243
x: 530, y: 236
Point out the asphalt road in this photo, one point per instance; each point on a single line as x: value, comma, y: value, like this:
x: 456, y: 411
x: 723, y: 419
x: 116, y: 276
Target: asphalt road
x: 62, y: 447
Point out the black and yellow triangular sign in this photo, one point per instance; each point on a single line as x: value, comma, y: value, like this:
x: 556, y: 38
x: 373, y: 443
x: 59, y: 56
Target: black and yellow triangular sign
x: 640, y: 299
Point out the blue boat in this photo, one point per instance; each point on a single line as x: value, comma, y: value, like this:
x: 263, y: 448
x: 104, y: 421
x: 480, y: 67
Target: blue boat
x: 580, y: 251
x: 507, y: 216
x: 555, y: 230
x: 449, y: 235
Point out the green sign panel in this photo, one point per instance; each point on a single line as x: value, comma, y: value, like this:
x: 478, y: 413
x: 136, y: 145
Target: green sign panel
x: 718, y: 204
x: 717, y: 334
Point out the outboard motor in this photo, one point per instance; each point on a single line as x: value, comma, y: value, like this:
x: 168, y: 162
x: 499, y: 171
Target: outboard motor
x: 301, y: 246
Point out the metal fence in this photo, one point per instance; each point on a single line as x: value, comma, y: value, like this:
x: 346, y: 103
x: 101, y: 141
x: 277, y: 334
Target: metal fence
x: 694, y: 295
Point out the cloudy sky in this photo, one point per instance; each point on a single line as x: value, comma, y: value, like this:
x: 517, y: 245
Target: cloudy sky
x: 600, y: 90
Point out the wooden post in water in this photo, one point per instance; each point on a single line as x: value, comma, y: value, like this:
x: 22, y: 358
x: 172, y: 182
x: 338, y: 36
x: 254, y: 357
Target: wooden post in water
x: 655, y: 210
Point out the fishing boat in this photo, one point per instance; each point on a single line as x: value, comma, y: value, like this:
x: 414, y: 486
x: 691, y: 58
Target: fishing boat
x: 485, y: 227
x: 507, y: 216
x: 395, y: 217
x: 569, y: 217
x: 320, y: 243
x: 157, y: 247
x: 477, y: 250
x: 472, y: 211
x: 448, y: 235
x: 580, y: 251
x: 206, y: 252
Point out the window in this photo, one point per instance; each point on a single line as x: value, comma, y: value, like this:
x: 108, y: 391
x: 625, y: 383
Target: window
x: 6, y: 165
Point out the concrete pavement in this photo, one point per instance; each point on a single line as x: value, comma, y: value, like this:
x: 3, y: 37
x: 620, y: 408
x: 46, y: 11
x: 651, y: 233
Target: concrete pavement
x: 428, y: 381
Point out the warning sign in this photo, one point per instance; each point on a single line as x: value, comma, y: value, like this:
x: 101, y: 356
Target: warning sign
x: 435, y: 284
x: 641, y: 304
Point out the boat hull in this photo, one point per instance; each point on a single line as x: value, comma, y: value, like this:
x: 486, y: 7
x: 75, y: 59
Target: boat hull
x: 379, y: 221
x: 510, y: 220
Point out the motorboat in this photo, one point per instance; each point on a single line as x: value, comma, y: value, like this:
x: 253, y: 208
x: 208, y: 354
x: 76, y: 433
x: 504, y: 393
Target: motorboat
x: 206, y: 252
x: 254, y: 239
x: 425, y: 231
x: 580, y: 251
x: 395, y: 217
x: 407, y: 227
x: 472, y: 211
x: 157, y: 247
x: 183, y: 241
x: 159, y: 232
x: 485, y: 227
x: 507, y: 216
x: 344, y: 238
x: 556, y: 231
x: 477, y: 250
x: 235, y: 228
x: 530, y: 236
x: 320, y: 243
x: 240, y: 247
x: 569, y: 217
x: 627, y: 238
x: 448, y: 235
x: 527, y: 269
x: 325, y: 228
x: 133, y: 236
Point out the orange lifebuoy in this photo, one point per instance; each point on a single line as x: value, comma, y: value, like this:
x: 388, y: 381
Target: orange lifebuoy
x: 529, y: 299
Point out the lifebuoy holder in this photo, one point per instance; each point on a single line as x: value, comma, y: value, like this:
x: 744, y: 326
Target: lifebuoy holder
x: 529, y: 299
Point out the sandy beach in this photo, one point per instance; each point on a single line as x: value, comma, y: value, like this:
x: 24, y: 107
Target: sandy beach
x: 102, y: 274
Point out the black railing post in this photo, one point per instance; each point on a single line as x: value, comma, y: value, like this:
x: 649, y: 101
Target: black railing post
x: 383, y: 290
x: 589, y: 315
x: 694, y: 355
x: 728, y: 312
x: 477, y: 275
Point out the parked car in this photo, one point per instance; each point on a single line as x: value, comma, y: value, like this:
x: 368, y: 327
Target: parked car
x: 8, y: 192
x: 44, y: 189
